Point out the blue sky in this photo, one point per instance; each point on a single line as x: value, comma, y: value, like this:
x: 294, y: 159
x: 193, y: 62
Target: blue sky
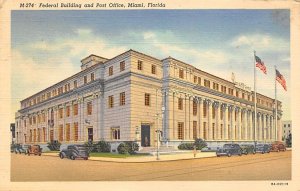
x: 47, y: 46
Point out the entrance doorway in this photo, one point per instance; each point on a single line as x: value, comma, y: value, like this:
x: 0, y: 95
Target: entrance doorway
x: 90, y: 134
x: 145, y: 135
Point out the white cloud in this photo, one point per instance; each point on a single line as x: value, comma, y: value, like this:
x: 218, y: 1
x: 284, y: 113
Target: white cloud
x: 260, y: 42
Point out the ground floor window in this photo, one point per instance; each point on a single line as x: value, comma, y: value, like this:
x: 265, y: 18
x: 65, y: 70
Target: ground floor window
x: 44, y: 134
x: 204, y: 131
x: 68, y: 132
x: 60, y: 133
x: 229, y: 135
x: 39, y: 135
x: 51, y: 135
x: 115, y: 133
x: 194, y: 129
x: 75, y: 131
x: 180, y: 130
x: 221, y: 133
x: 213, y: 131
x: 34, y: 135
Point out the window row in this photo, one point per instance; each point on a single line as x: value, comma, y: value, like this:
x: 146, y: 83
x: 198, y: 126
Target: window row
x: 121, y: 67
x: 57, y: 91
x: 122, y: 100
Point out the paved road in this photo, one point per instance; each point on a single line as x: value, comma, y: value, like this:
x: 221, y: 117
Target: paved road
x: 273, y: 166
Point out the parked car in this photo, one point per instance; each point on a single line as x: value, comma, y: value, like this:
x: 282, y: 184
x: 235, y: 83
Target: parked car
x: 262, y: 148
x: 34, y: 149
x: 247, y: 149
x: 210, y: 149
x: 22, y: 149
x: 74, y: 151
x: 229, y: 150
x: 278, y: 146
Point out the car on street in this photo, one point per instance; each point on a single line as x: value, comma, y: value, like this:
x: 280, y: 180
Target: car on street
x: 246, y: 149
x: 262, y: 148
x: 34, y: 149
x: 278, y: 146
x: 22, y: 149
x: 74, y: 151
x: 229, y: 150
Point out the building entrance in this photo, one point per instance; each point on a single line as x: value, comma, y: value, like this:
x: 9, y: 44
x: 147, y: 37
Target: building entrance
x: 90, y: 134
x: 145, y: 135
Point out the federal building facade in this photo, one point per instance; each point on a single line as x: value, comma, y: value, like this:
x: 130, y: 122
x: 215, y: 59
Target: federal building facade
x: 131, y: 96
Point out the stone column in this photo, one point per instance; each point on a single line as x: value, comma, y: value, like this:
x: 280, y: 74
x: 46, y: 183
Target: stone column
x: 218, y: 121
x: 209, y: 122
x: 200, y: 130
x: 259, y: 126
x: 225, y: 119
x: 267, y: 128
x: 244, y: 124
x: 239, y: 121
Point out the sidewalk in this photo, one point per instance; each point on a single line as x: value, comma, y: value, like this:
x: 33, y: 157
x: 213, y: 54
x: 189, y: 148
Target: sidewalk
x: 150, y: 158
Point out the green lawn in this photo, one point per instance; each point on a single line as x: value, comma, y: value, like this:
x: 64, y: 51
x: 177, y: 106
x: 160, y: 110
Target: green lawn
x: 112, y: 155
x: 51, y: 152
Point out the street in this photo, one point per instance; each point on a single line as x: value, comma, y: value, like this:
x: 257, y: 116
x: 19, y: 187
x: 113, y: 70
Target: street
x: 272, y: 166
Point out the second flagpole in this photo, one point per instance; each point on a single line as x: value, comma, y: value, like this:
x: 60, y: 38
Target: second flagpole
x: 254, y: 129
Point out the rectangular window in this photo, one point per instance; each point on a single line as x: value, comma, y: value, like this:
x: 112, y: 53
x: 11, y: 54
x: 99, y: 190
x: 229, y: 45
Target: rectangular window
x: 110, y: 70
x: 60, y: 113
x: 180, y: 103
x: 140, y: 65
x: 221, y: 114
x: 115, y: 133
x: 44, y: 134
x: 84, y: 79
x: 38, y: 135
x: 195, y: 79
x: 122, y: 98
x: 230, y: 91
x: 243, y: 95
x: 110, y: 101
x: 66, y: 87
x: 207, y: 83
x: 75, y: 109
x: 213, y: 112
x: 180, y: 130
x: 147, y: 99
x: 92, y: 77
x: 34, y: 120
x: 60, y: 133
x: 122, y: 66
x: 68, y: 132
x: 221, y: 133
x: 235, y: 115
x: 204, y: 109
x: 248, y: 97
x: 236, y: 93
x: 228, y: 116
x: 194, y: 107
x: 199, y: 81
x: 68, y: 111
x: 194, y: 129
x: 75, y: 131
x: 89, y: 108
x: 51, y: 135
x: 204, y: 131
x: 213, y: 131
x: 30, y: 120
x: 215, y: 86
x: 181, y: 74
x: 75, y: 84
x: 153, y: 69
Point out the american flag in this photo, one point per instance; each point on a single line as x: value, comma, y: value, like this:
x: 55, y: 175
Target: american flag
x: 281, y: 79
x: 261, y: 65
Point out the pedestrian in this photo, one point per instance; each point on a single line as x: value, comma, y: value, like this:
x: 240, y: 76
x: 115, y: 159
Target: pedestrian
x: 195, y: 151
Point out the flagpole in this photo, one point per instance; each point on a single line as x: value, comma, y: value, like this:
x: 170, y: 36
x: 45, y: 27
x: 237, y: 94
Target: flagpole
x: 254, y: 137
x: 276, y: 135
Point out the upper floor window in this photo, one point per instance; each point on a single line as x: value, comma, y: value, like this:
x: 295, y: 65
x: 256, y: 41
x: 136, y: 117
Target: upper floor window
x: 75, y: 109
x: 122, y: 66
x: 92, y: 76
x: 230, y: 91
x: 122, y: 98
x: 60, y: 113
x: 110, y: 70
x: 237, y: 93
x: 110, y: 101
x: 215, y: 86
x: 194, y: 107
x: 85, y: 79
x: 223, y: 89
x: 115, y: 133
x: 199, y: 80
x: 68, y: 111
x: 147, y: 99
x: 75, y: 83
x: 181, y: 74
x: 153, y: 69
x: 140, y: 65
x: 207, y: 83
x: 195, y: 79
x: 180, y: 103
x: 89, y: 108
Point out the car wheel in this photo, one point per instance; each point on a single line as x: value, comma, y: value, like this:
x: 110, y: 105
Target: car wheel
x: 61, y: 156
x: 278, y: 150
x: 218, y: 155
x: 254, y: 152
x: 263, y: 152
x: 85, y: 158
x: 246, y: 153
x: 72, y: 157
x: 229, y: 155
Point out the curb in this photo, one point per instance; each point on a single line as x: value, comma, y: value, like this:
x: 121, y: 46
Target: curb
x: 169, y: 160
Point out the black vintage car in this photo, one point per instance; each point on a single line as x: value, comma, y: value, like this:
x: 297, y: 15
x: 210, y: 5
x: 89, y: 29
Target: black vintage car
x: 74, y: 151
x: 22, y: 149
x: 246, y: 149
x: 262, y: 148
x: 229, y: 150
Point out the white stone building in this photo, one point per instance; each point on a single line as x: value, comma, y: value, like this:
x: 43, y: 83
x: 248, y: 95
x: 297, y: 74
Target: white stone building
x: 130, y: 96
x: 286, y: 129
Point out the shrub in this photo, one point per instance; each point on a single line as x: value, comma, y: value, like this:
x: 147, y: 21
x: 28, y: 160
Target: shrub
x: 122, y: 148
x: 128, y: 147
x: 90, y: 146
x: 200, y: 143
x: 54, y: 145
x: 186, y: 146
x: 102, y: 146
